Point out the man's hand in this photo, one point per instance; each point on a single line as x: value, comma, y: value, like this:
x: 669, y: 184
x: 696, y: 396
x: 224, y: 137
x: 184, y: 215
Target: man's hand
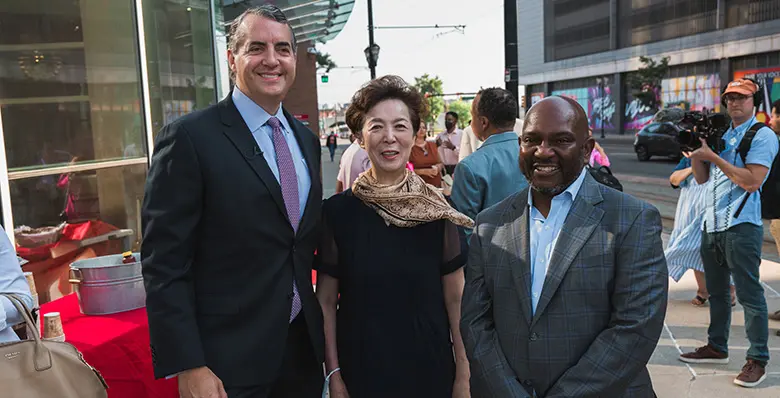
x: 200, y: 383
x: 448, y: 144
x: 703, y: 154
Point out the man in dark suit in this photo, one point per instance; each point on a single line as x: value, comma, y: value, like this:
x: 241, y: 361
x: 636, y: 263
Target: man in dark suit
x: 566, y: 282
x: 230, y: 219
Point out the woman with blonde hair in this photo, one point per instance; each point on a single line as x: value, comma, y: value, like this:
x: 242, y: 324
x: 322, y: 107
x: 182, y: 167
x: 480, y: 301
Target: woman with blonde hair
x: 390, y: 265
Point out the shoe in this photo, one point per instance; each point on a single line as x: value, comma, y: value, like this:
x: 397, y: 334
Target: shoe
x: 706, y: 354
x: 775, y: 316
x: 753, y: 373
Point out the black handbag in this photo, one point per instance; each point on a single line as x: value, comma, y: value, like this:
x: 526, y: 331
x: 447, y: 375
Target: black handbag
x: 603, y: 175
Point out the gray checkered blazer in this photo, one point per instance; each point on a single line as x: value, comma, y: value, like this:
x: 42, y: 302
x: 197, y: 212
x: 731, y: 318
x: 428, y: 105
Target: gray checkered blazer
x: 602, y: 306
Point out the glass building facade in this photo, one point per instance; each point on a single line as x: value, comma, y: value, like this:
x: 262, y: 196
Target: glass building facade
x: 86, y: 84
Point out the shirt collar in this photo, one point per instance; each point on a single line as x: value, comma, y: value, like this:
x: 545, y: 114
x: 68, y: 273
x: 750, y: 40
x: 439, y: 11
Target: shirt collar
x: 499, y: 137
x: 569, y: 193
x: 744, y: 126
x: 254, y: 115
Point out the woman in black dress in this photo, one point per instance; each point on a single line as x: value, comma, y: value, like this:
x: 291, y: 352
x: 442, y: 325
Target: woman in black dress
x: 391, y: 262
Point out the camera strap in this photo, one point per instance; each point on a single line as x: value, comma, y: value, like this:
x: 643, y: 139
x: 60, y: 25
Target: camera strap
x: 743, y: 149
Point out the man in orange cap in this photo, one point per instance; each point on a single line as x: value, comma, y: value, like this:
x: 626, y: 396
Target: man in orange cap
x: 733, y: 233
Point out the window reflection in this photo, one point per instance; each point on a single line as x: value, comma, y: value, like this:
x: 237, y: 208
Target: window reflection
x: 111, y: 196
x: 70, y: 82
x: 180, y: 58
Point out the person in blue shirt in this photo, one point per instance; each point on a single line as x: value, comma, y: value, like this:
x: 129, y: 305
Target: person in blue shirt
x: 492, y: 172
x: 12, y: 281
x: 731, y: 242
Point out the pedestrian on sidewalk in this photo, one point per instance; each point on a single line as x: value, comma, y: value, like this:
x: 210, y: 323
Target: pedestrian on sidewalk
x: 683, y: 251
x: 732, y: 234
x: 332, y: 143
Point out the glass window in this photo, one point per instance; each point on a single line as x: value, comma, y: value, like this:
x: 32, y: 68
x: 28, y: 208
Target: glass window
x: 69, y: 90
x: 110, y: 195
x: 180, y: 58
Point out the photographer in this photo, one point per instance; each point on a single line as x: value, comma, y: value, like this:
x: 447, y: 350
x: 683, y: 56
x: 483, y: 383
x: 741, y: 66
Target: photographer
x: 731, y: 243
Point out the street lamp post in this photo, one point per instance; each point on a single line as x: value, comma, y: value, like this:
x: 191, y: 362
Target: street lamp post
x: 372, y: 51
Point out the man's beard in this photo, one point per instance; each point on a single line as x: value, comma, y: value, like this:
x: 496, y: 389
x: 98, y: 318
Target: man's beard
x: 569, y: 176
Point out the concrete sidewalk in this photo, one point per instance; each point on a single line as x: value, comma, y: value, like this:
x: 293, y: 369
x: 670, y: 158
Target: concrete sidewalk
x: 686, y: 329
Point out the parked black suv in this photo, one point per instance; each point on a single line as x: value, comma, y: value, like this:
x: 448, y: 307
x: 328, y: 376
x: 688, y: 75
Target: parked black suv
x: 657, y: 139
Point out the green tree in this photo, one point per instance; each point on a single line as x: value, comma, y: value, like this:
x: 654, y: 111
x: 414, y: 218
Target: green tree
x: 463, y: 109
x: 432, y: 89
x: 324, y: 62
x: 646, y: 81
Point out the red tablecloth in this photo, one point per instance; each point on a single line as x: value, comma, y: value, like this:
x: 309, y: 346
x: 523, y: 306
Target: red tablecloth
x: 117, y: 346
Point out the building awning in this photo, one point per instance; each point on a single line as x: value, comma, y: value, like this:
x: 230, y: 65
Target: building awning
x: 312, y: 20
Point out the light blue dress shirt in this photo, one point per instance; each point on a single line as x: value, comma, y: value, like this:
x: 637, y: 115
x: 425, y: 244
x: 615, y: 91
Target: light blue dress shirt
x: 255, y: 118
x: 487, y: 176
x: 723, y: 196
x: 545, y: 232
x: 11, y: 281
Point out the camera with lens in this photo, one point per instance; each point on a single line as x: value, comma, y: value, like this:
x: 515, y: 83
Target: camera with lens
x: 695, y: 125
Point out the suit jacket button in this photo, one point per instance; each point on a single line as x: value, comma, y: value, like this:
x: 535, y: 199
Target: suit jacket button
x: 290, y: 295
x: 528, y: 383
x: 534, y: 337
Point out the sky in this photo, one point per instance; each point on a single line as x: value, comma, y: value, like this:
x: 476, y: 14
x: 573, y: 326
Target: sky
x: 464, y: 62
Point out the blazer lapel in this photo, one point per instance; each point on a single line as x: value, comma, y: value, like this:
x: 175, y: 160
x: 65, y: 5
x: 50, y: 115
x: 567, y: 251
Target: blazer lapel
x: 520, y: 247
x: 312, y: 161
x: 582, y: 220
x: 238, y: 133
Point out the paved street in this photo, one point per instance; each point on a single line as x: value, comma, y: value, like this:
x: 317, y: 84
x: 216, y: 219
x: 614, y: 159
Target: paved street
x: 686, y: 326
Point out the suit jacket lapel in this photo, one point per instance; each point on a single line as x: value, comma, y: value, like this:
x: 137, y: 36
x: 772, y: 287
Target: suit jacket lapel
x: 520, y: 247
x: 312, y: 163
x: 238, y: 133
x: 582, y: 220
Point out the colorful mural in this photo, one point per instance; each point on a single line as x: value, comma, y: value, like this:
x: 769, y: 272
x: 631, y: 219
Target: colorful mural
x: 637, y: 115
x: 693, y: 93
x: 698, y: 93
x: 600, y: 109
x: 769, y: 79
x: 536, y: 97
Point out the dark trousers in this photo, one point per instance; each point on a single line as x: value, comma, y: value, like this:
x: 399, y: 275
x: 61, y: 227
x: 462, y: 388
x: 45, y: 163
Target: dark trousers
x: 300, y: 375
x: 332, y: 150
x: 736, y: 252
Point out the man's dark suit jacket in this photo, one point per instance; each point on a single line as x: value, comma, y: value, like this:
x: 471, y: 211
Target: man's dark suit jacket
x: 219, y: 253
x: 601, y: 310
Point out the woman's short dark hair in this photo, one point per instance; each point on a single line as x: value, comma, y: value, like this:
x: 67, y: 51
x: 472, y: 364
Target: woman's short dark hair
x: 381, y: 89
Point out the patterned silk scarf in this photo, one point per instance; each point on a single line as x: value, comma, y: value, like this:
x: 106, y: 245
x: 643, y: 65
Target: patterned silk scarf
x: 408, y: 203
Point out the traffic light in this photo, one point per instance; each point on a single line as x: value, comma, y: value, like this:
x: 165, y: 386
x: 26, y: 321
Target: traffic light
x: 522, y: 101
x: 324, y: 78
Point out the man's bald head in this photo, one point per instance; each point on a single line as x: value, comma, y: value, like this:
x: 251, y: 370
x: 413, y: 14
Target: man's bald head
x: 571, y: 109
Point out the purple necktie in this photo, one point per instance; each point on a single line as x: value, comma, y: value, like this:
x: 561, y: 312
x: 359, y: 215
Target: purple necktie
x: 288, y: 180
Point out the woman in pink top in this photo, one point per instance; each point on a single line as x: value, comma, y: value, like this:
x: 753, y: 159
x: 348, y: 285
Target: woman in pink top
x: 598, y: 155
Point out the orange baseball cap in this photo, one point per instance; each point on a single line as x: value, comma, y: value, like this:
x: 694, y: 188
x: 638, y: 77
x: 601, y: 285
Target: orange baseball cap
x: 741, y: 86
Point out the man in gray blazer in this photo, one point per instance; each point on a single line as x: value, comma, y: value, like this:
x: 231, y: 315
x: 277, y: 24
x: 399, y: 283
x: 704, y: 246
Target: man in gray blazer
x: 566, y: 282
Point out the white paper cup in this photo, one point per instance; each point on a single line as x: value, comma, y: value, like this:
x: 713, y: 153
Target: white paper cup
x: 52, y: 326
